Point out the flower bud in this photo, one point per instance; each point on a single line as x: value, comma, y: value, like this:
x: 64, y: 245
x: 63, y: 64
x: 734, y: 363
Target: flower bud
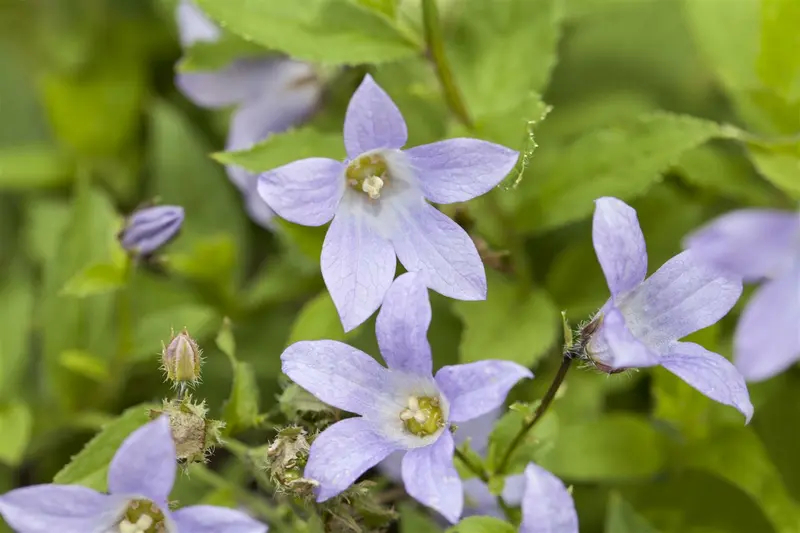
x: 181, y: 359
x: 147, y: 230
x: 194, y: 434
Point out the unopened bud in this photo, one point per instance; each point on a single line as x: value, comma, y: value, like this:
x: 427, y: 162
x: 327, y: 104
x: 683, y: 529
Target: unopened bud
x: 181, y: 359
x: 148, y: 229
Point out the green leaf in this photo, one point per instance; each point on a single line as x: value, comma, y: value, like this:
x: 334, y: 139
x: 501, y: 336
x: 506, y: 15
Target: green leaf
x: 537, y: 441
x: 212, y: 259
x: 206, y: 56
x: 241, y: 410
x: 414, y: 521
x: 322, y: 31
x: 482, y: 524
x: 614, y: 447
x: 621, y: 517
x: 45, y: 220
x: 307, y: 239
x: 386, y: 7
x: 318, y: 319
x: 782, y: 168
x: 510, y: 40
x: 508, y: 325
x: 778, y: 61
x: 17, y: 422
x: 95, y: 279
x: 281, y: 148
x: 16, y: 317
x: 86, y: 365
x: 33, y: 166
x: 622, y: 160
x: 90, y: 466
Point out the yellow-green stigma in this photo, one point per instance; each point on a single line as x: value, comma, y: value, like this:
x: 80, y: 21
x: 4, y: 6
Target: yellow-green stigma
x: 423, y: 417
x: 368, y: 174
x: 142, y: 516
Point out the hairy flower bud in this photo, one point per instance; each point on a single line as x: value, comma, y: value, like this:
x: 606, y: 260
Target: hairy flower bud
x: 148, y: 229
x: 194, y: 434
x: 286, y: 457
x: 181, y: 359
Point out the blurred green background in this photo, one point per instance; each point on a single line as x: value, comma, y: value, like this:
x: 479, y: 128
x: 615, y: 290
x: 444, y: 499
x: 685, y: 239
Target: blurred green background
x: 684, y: 108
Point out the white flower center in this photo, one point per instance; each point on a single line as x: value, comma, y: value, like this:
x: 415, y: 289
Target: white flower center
x: 423, y: 416
x: 141, y: 526
x: 372, y: 186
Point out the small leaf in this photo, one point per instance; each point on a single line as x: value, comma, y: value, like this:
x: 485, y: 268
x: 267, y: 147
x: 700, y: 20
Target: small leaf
x: 206, y: 56
x: 95, y: 279
x: 242, y: 407
x: 322, y: 31
x: 507, y: 325
x: 412, y: 520
x: 482, y: 524
x: 622, y: 518
x: 90, y: 466
x: 33, y: 166
x: 782, y: 168
x: 17, y: 422
x: 318, y: 319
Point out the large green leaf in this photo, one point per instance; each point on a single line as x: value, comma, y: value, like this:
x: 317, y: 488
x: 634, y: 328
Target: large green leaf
x: 778, y: 60
x: 621, y: 517
x: 324, y: 31
x: 482, y: 524
x: 781, y: 167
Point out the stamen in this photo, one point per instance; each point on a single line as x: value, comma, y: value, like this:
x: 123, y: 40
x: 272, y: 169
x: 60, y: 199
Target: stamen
x: 372, y: 186
x: 423, y: 416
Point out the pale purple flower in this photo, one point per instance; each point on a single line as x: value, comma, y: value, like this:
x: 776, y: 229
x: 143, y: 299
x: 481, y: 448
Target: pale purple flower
x: 378, y: 200
x: 641, y: 323
x: 547, y: 506
x: 272, y: 94
x: 148, y: 229
x: 401, y: 408
x: 140, y: 479
x: 760, y: 245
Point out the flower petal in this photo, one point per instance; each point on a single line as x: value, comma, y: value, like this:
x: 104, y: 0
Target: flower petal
x: 305, y: 192
x: 212, y: 519
x: 194, y: 25
x: 457, y: 170
x: 547, y: 505
x: 402, y: 326
x: 372, y: 121
x: 619, y: 244
x: 358, y: 267
x: 683, y: 296
x: 429, y: 243
x: 615, y: 346
x: 513, y: 489
x: 240, y: 81
x: 430, y: 477
x: 344, y: 451
x: 145, y: 464
x: 474, y: 389
x: 767, y: 339
x: 751, y: 243
x: 62, y: 508
x: 711, y: 374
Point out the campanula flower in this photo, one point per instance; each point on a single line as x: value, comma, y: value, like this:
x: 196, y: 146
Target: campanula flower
x: 378, y: 200
x: 641, y: 323
x: 148, y: 229
x: 547, y: 506
x: 140, y: 479
x: 272, y: 94
x: 402, y: 407
x: 760, y: 245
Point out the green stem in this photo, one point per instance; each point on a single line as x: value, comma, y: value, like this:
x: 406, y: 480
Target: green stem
x: 435, y: 43
x: 540, y: 411
x: 478, y: 471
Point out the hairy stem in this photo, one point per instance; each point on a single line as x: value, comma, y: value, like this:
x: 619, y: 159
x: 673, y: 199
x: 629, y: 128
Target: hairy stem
x: 540, y: 411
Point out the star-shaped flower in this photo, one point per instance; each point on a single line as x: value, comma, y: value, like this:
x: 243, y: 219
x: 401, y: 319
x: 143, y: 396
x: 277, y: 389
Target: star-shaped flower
x: 272, y: 94
x: 760, y: 245
x: 140, y: 479
x: 148, y: 229
x: 547, y: 505
x: 377, y: 200
x: 641, y: 323
x: 401, y: 408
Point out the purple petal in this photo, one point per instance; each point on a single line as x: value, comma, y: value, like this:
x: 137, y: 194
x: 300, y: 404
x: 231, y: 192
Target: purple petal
x: 513, y: 489
x: 145, y: 464
x: 61, y: 508
x: 240, y: 81
x: 619, y: 244
x: 767, y: 339
x: 547, y: 505
x: 211, y: 519
x: 751, y: 243
x: 430, y: 477
x: 358, y: 267
x: 457, y: 170
x: 475, y: 389
x: 149, y: 229
x: 305, y: 192
x: 193, y: 25
x: 711, y: 374
x: 441, y: 252
x: 683, y: 296
x: 372, y: 121
x: 344, y: 451
x: 615, y: 346
x: 402, y: 326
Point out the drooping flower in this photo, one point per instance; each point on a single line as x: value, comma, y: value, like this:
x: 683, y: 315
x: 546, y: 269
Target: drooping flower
x: 377, y: 199
x: 641, y: 323
x: 759, y: 245
x: 272, y: 94
x: 402, y: 408
x: 148, y: 229
x: 547, y: 505
x: 140, y: 479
